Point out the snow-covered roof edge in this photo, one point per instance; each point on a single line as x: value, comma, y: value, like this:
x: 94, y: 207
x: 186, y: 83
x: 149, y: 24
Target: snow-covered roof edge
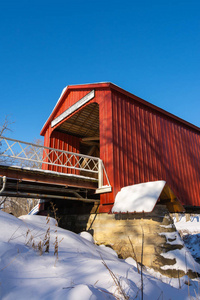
x: 138, y: 198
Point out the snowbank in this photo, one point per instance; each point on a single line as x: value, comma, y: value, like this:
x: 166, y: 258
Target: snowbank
x: 191, y: 226
x: 82, y: 270
x: 190, y: 232
x: 38, y: 220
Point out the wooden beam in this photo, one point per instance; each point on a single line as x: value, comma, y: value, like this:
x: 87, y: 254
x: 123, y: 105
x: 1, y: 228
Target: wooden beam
x: 91, y: 138
x: 90, y: 143
x: 46, y: 196
x: 50, y: 177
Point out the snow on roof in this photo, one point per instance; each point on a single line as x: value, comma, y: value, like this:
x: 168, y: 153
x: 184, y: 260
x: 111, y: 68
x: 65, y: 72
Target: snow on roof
x: 138, y: 198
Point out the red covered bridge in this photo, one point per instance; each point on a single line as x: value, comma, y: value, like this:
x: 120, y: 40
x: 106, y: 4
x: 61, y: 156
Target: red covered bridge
x: 137, y: 141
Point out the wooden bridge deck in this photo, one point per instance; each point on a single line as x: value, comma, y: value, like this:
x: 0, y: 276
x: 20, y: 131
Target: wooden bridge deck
x: 37, y: 183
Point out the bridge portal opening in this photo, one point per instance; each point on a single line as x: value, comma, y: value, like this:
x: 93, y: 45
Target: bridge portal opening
x: 85, y: 125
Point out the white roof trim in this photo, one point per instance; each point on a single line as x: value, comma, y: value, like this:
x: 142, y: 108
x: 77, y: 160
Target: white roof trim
x: 73, y: 108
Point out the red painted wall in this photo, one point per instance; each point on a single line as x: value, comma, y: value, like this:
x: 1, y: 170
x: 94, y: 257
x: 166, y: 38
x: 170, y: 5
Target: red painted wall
x: 151, y: 146
x: 138, y: 142
x: 51, y: 137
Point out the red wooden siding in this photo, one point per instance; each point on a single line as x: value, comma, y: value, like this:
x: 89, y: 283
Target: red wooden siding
x: 66, y: 142
x: 139, y: 142
x: 103, y: 98
x: 151, y: 146
x: 61, y: 141
x: 106, y: 140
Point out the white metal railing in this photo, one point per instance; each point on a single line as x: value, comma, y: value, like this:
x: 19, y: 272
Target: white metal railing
x: 37, y: 156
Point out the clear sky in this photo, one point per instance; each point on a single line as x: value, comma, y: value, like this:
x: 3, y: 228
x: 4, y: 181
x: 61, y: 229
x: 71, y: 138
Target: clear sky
x: 150, y: 48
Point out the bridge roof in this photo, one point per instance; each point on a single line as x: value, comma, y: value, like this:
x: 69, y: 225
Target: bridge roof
x: 112, y: 87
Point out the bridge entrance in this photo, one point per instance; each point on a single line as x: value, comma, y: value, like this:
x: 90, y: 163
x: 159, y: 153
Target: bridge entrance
x: 83, y: 126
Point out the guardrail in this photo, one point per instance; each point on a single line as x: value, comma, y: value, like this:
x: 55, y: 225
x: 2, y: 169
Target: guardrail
x: 37, y: 156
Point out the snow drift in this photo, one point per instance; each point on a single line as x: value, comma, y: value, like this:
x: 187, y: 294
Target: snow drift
x: 81, y: 271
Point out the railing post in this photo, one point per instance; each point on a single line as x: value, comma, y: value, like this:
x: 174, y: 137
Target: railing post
x: 100, y: 173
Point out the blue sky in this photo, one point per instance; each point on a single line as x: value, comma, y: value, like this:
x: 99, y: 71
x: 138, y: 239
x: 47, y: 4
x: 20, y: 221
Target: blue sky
x: 150, y: 48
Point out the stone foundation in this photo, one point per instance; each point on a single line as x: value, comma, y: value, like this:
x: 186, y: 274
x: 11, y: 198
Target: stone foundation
x: 141, y: 236
x: 135, y: 235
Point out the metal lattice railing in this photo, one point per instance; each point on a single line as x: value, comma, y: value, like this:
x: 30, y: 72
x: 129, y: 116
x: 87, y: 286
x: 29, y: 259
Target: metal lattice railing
x: 15, y: 152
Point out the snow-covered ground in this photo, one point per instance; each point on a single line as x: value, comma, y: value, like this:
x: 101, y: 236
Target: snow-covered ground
x: 78, y: 270
x: 190, y: 232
